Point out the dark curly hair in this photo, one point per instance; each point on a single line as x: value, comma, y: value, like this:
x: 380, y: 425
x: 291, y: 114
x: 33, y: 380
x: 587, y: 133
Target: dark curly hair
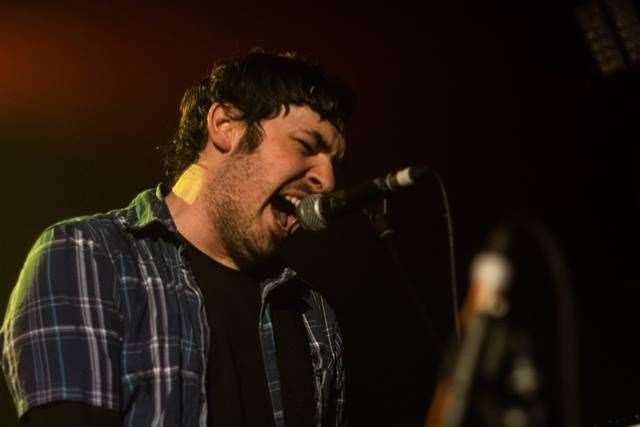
x: 258, y: 85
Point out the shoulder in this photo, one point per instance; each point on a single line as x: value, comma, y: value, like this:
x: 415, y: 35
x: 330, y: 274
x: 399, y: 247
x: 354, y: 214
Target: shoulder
x: 321, y: 317
x: 96, y: 230
x: 321, y: 304
x: 69, y: 259
x: 316, y: 301
x: 73, y: 258
x: 103, y: 232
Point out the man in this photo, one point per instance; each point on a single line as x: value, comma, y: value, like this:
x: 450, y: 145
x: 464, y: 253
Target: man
x: 175, y: 311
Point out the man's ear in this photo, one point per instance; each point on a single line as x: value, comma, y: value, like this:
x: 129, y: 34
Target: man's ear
x: 224, y: 131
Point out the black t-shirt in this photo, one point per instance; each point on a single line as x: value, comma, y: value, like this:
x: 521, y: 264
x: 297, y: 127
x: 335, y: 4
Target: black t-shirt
x: 236, y: 383
x: 237, y: 389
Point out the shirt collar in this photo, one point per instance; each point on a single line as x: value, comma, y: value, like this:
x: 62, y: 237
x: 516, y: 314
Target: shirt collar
x: 149, y: 208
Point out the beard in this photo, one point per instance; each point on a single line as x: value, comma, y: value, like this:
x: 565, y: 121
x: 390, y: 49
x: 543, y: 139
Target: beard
x: 236, y: 197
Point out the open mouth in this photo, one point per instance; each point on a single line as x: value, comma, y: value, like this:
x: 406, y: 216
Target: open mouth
x: 284, y: 210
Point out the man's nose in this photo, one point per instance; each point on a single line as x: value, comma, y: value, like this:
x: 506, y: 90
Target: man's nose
x: 321, y: 177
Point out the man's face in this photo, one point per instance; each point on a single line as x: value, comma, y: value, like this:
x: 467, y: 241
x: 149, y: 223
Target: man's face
x: 252, y: 196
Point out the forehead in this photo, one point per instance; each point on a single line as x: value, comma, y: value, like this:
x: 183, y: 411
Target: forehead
x: 302, y: 120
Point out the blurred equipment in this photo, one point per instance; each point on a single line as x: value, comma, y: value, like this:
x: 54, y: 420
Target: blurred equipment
x: 491, y: 378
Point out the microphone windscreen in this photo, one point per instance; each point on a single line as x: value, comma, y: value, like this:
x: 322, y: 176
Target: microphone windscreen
x: 309, y: 215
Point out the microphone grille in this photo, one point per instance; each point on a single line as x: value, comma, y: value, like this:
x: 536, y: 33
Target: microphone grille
x: 309, y: 214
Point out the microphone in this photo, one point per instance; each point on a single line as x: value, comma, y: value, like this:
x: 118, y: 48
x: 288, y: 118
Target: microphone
x: 316, y: 211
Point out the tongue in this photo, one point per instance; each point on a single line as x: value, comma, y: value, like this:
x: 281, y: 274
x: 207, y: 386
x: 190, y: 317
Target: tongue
x: 281, y: 217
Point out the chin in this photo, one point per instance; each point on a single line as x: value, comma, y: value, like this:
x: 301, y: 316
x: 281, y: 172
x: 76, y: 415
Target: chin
x: 253, y: 255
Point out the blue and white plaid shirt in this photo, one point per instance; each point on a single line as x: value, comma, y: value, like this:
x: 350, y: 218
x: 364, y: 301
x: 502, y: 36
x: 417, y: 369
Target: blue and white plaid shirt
x: 106, y: 312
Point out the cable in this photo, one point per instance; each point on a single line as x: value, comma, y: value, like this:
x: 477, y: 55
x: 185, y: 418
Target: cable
x: 452, y: 254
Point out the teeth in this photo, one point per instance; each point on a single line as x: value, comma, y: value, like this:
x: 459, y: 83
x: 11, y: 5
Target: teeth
x: 293, y: 200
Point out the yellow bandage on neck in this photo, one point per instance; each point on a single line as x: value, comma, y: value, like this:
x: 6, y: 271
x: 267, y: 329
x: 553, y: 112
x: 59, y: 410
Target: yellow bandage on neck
x: 189, y: 184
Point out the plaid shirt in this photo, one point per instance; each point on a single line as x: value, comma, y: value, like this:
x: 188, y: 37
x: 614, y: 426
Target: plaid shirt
x: 106, y: 312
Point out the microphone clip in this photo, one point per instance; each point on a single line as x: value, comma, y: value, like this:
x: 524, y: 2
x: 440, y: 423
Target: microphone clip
x: 378, y: 214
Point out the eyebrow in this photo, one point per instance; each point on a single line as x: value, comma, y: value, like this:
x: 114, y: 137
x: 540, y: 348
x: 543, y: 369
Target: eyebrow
x: 322, y: 143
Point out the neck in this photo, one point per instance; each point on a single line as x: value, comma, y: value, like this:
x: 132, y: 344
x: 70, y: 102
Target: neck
x: 187, y: 205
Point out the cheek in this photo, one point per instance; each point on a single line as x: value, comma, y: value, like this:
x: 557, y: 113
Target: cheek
x: 285, y: 164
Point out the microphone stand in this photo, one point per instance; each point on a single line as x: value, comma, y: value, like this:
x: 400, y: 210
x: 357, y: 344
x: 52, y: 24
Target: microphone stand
x: 379, y: 217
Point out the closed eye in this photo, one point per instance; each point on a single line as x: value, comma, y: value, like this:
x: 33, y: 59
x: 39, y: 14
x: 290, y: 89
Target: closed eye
x: 307, y: 147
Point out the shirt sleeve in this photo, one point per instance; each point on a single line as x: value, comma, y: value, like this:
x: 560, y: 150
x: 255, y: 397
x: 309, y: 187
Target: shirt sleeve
x: 61, y: 335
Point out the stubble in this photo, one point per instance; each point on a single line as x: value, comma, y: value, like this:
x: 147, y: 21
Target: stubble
x: 233, y: 197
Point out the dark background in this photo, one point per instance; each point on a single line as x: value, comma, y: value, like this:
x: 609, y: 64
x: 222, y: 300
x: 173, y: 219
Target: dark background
x: 503, y: 99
